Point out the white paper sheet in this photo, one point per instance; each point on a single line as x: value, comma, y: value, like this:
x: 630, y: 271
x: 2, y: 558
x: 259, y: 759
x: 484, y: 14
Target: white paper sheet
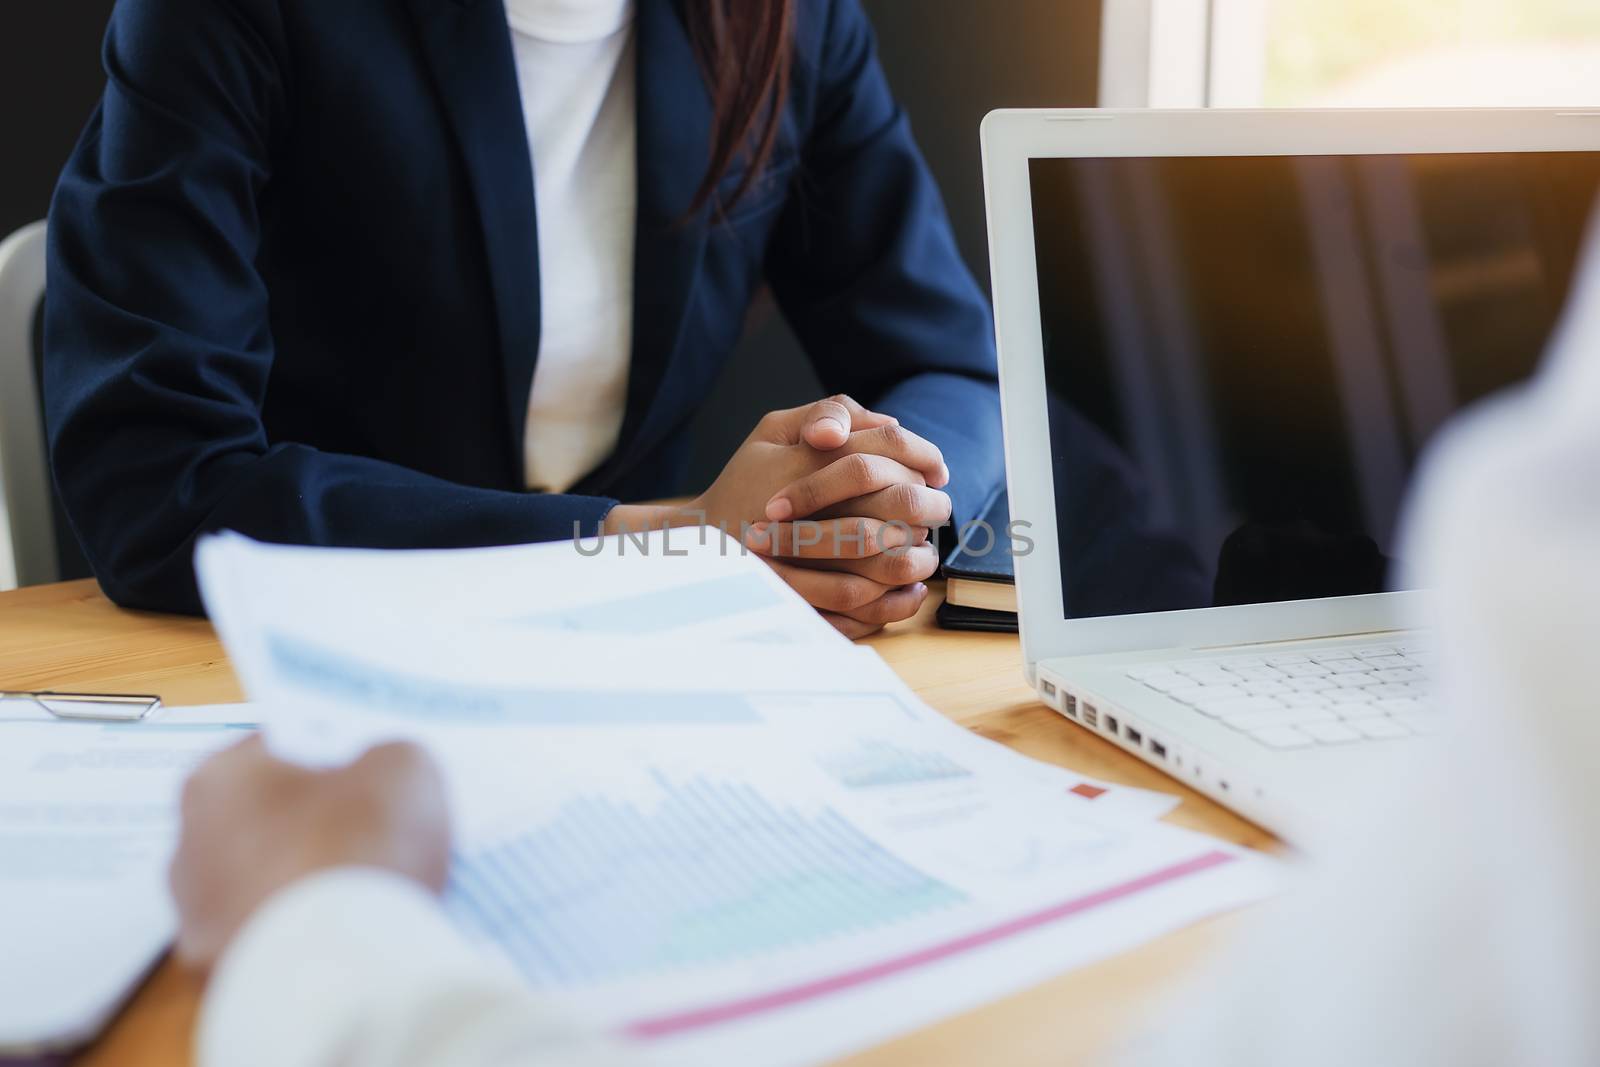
x: 687, y: 584
x: 338, y: 688
x: 88, y: 814
x: 769, y: 856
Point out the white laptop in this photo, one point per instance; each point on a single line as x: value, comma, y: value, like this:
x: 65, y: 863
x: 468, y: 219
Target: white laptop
x: 1225, y: 339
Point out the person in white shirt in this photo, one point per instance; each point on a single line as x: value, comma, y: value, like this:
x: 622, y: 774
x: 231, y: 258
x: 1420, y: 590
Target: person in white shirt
x: 1455, y: 921
x: 1455, y: 924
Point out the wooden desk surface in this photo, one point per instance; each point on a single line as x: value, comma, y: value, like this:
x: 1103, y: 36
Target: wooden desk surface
x: 70, y: 637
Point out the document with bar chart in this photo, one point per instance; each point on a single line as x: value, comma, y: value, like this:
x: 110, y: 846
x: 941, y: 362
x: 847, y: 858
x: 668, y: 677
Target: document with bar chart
x: 464, y: 690
x: 725, y: 851
x: 752, y: 902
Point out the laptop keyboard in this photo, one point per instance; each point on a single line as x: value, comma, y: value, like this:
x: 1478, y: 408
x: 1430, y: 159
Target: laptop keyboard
x: 1338, y: 696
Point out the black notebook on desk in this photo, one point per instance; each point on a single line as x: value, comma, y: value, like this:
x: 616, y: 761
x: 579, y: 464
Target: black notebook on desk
x: 980, y: 582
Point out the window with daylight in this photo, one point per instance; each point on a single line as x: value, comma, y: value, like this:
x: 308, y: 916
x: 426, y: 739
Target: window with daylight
x: 1352, y: 53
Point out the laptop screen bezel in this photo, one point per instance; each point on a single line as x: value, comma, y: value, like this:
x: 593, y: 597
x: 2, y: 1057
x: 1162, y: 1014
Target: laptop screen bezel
x: 1011, y: 141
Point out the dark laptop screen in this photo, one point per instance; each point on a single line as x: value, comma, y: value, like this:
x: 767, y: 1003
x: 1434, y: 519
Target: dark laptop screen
x: 1246, y: 356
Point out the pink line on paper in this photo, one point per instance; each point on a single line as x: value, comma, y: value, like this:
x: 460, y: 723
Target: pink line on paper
x: 732, y: 1011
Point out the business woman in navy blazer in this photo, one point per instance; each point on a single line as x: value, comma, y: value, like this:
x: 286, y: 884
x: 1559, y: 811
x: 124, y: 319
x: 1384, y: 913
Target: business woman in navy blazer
x: 294, y: 276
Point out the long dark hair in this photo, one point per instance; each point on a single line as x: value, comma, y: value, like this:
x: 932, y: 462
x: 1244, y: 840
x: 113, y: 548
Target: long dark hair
x: 746, y: 49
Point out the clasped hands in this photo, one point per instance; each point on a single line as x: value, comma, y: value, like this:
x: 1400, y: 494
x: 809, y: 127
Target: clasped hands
x: 840, y: 501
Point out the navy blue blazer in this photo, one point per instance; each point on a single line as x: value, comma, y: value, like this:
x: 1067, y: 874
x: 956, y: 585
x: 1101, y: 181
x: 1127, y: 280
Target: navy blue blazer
x: 294, y: 281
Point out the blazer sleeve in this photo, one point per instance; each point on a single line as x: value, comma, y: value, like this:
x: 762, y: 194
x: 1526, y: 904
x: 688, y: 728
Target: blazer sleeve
x: 360, y: 968
x: 157, y: 345
x: 866, y: 269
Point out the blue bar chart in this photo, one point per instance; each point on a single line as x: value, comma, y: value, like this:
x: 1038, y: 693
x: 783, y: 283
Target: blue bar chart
x: 335, y: 675
x: 713, y: 872
x: 874, y: 763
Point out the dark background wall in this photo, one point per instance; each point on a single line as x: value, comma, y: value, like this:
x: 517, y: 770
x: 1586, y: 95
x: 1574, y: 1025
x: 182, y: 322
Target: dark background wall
x: 49, y: 80
x: 951, y: 62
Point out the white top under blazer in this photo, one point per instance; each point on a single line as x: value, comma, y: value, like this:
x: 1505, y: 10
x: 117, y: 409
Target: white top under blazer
x: 577, y: 76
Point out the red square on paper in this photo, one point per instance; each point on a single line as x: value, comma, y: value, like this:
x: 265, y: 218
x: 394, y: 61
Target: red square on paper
x: 1088, y: 792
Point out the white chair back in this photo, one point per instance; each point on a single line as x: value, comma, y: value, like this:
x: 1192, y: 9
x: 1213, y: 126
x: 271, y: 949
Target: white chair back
x: 27, y: 519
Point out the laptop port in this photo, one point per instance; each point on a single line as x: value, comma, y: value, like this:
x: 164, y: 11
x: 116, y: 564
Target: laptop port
x: 1111, y: 725
x: 1050, y: 690
x: 1135, y: 736
x: 1091, y: 715
x: 1069, y: 705
x: 1157, y: 749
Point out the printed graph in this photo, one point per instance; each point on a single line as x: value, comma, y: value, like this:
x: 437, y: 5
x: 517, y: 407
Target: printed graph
x: 336, y: 676
x: 714, y: 872
x: 875, y: 764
